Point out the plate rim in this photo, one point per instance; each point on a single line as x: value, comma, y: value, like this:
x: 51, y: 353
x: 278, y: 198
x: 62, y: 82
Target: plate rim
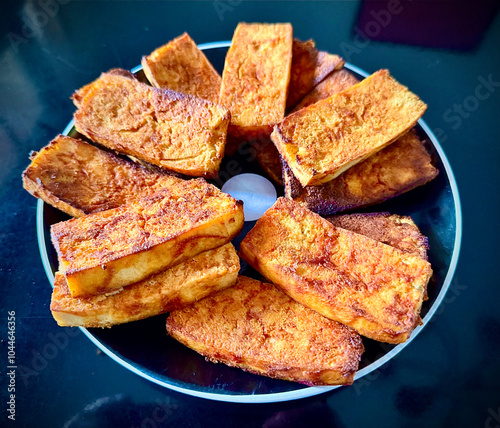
x: 303, y: 392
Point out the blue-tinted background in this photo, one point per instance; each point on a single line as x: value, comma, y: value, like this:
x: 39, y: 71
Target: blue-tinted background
x: 448, y: 376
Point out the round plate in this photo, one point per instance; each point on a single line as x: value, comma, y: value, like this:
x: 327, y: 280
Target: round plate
x: 145, y: 348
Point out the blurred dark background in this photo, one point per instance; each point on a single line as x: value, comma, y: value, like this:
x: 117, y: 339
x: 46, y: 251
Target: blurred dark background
x: 445, y: 51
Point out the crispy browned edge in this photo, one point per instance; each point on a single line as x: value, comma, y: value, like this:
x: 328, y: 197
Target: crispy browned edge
x: 313, y: 294
x: 81, y: 93
x: 38, y: 190
x: 76, y: 207
x: 269, y: 160
x: 309, y: 67
x: 265, y: 295
x: 310, y: 176
x: 164, y: 292
x: 333, y: 196
x: 209, y: 76
x: 395, y: 230
x: 255, y: 131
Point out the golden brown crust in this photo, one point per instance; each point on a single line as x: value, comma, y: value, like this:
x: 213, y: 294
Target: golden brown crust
x: 78, y: 178
x: 105, y: 251
x: 169, y: 290
x: 335, y: 82
x: 309, y: 67
x: 396, y: 169
x: 81, y: 93
x: 174, y: 131
x: 181, y: 66
x: 395, y: 230
x: 258, y: 328
x: 364, y: 284
x: 323, y: 140
x: 255, y: 78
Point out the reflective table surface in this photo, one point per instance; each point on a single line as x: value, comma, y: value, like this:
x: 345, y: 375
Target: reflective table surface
x: 447, y: 376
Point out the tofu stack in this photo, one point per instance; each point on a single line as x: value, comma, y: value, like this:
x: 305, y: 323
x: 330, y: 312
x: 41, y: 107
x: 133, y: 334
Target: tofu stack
x: 151, y: 256
x: 372, y: 287
x: 171, y: 289
x: 103, y: 252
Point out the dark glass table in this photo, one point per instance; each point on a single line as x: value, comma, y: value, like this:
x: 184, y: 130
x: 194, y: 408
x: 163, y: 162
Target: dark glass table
x: 447, y: 376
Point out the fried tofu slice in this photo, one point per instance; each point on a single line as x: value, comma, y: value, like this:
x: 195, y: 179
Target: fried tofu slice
x: 325, y: 139
x: 103, y: 252
x: 398, y: 231
x: 267, y: 155
x: 79, y: 178
x: 258, y: 328
x: 335, y: 82
x: 396, y: 169
x: 309, y: 67
x: 369, y: 286
x: 172, y: 289
x: 255, y: 78
x: 178, y: 132
x: 179, y: 65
